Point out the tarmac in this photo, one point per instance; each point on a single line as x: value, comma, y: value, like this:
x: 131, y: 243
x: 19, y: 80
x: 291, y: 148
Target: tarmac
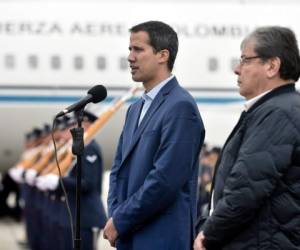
x: 13, y: 236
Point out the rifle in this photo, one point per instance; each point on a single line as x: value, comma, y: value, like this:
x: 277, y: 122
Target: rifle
x: 68, y: 160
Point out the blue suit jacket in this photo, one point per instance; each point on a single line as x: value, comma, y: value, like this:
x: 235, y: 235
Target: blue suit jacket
x: 153, y: 181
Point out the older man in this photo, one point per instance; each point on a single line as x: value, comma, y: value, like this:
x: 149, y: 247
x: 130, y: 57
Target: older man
x: 255, y: 202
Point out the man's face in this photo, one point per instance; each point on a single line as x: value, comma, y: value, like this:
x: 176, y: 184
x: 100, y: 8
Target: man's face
x: 143, y: 60
x: 251, y: 72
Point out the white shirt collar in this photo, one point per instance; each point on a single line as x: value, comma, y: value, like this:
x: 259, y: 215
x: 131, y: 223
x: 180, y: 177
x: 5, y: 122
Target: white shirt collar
x: 248, y: 104
x: 153, y: 92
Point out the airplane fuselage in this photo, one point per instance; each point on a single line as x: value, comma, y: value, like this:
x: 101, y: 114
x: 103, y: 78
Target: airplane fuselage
x: 51, y: 53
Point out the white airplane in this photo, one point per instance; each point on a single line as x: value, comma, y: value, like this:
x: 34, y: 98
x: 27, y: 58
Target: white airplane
x: 51, y: 53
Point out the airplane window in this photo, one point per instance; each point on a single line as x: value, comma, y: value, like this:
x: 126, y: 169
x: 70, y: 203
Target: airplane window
x: 123, y: 63
x: 213, y: 64
x: 234, y: 63
x: 55, y: 62
x: 33, y: 61
x: 9, y: 61
x: 78, y: 62
x: 101, y: 62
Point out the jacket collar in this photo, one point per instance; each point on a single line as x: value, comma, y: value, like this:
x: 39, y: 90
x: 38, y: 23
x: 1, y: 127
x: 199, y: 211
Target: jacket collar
x: 287, y: 88
x: 155, y: 105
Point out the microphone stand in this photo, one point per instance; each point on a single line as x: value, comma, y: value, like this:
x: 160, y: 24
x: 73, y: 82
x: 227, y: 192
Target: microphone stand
x: 77, y: 149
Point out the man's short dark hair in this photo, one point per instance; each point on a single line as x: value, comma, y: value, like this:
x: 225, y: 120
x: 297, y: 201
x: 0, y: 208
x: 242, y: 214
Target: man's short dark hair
x: 281, y: 42
x: 161, y: 36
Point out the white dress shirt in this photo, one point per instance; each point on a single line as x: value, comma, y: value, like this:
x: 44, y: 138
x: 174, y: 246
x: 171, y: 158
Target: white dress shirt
x: 149, y: 96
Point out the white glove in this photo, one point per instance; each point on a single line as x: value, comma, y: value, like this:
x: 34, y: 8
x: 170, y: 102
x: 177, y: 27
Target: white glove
x: 30, y: 176
x: 47, y: 182
x: 41, y: 183
x: 16, y: 173
x: 52, y: 181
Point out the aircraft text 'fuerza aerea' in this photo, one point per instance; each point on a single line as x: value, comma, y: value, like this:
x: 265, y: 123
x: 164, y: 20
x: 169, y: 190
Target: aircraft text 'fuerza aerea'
x: 42, y: 28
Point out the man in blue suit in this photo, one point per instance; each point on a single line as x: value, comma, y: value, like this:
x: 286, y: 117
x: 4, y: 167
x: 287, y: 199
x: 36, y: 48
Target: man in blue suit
x: 153, y: 181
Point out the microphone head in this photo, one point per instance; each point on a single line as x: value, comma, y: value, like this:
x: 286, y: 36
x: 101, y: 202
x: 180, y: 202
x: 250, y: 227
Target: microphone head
x: 98, y: 93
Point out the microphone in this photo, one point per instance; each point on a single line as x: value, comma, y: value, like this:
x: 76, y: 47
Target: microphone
x: 96, y: 94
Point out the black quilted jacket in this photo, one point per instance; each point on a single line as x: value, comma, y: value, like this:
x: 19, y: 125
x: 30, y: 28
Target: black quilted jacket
x: 257, y: 181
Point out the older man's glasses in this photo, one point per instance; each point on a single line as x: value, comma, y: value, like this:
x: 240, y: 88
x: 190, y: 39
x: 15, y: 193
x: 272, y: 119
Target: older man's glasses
x: 245, y: 60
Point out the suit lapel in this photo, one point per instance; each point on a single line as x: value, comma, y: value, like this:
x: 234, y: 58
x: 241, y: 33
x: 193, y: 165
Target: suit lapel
x: 135, y: 118
x: 151, y: 111
x: 156, y: 104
